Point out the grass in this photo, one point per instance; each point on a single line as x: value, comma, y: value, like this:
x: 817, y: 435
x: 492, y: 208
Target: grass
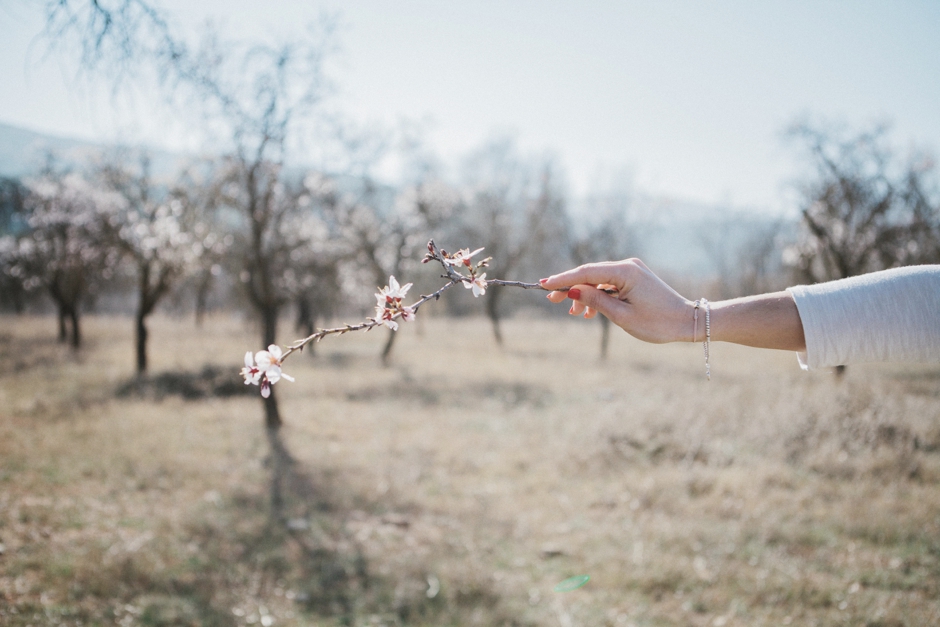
x: 483, y: 476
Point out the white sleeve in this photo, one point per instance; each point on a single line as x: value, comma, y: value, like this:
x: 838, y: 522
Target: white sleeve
x: 893, y: 315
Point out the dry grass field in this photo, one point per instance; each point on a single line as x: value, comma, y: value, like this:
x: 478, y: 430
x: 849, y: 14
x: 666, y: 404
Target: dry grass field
x: 461, y: 484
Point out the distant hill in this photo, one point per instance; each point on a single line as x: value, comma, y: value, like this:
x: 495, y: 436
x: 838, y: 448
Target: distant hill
x: 23, y: 152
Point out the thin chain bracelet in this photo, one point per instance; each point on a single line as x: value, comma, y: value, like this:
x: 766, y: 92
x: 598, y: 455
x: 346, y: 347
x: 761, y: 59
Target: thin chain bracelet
x: 704, y: 304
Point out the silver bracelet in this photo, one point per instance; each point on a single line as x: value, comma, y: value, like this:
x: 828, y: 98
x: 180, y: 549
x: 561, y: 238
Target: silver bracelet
x: 704, y: 304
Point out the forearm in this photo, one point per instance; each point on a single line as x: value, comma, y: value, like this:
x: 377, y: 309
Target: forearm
x: 764, y: 321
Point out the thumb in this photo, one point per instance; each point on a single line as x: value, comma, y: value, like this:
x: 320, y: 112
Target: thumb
x: 599, y: 300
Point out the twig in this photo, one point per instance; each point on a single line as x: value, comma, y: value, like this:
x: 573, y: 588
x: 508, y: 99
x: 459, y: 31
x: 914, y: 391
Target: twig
x: 362, y: 326
x: 453, y: 278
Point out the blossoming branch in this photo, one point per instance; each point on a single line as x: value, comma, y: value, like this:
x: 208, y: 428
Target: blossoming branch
x: 264, y: 367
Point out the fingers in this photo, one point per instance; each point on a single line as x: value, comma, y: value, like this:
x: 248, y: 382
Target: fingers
x: 616, y: 273
x: 590, y: 301
x: 557, y: 297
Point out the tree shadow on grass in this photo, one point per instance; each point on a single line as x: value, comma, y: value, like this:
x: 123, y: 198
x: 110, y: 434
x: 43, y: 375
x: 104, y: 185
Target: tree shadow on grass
x: 295, y: 540
x: 211, y: 381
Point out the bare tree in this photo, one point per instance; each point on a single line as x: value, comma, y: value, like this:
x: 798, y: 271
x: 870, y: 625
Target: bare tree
x: 605, y: 234
x: 119, y: 38
x: 862, y: 211
x: 252, y: 96
x: 387, y: 231
x: 921, y: 194
x: 197, y: 188
x: 513, y: 208
x: 759, y: 268
x: 259, y: 96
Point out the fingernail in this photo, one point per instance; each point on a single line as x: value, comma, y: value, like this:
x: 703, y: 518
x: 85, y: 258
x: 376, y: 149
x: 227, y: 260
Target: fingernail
x: 574, y: 293
x: 543, y: 281
x: 571, y: 310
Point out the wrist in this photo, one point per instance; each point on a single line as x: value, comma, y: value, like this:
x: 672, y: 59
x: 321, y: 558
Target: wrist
x: 694, y: 316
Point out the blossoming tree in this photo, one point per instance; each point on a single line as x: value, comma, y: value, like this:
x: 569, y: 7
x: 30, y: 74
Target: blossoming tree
x: 149, y: 230
x: 65, y: 250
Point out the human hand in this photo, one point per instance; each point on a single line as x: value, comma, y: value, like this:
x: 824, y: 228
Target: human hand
x: 643, y: 305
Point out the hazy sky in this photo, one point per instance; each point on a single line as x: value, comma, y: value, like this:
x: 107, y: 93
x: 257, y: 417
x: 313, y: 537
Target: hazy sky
x: 691, y: 97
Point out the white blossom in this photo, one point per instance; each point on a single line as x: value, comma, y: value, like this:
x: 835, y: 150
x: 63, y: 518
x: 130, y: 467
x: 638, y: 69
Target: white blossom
x: 267, y: 369
x: 389, y: 306
x: 461, y: 257
x: 392, y: 292
x: 477, y: 284
x: 251, y: 372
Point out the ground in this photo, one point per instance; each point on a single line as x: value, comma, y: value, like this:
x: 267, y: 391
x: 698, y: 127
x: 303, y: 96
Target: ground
x: 462, y: 483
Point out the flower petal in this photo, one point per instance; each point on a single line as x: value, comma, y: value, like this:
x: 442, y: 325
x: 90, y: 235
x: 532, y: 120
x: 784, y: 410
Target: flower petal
x: 263, y: 359
x: 249, y: 360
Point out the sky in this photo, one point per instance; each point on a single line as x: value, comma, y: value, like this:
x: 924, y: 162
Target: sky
x: 687, y: 99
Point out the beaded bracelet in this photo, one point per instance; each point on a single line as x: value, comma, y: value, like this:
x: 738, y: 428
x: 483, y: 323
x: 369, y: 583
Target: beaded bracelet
x: 704, y: 304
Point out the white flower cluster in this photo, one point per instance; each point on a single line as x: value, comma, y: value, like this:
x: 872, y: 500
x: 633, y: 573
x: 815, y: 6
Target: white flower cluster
x: 462, y: 258
x: 389, y: 306
x: 264, y: 369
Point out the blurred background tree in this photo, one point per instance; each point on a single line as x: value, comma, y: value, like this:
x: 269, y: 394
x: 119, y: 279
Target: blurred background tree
x: 605, y: 234
x: 66, y: 249
x: 149, y: 230
x: 865, y: 208
x: 513, y: 208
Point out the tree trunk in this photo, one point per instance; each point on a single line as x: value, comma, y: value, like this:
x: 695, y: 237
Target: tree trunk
x: 272, y: 416
x: 492, y: 310
x: 202, y: 298
x: 269, y: 325
x: 76, y: 330
x: 304, y: 316
x: 19, y: 300
x: 605, y: 336
x: 306, y: 322
x: 387, y: 351
x: 63, y: 328
x: 280, y: 461
x: 141, y: 319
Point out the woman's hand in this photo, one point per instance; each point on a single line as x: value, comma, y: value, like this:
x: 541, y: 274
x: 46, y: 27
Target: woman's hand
x: 643, y: 305
x: 649, y: 310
